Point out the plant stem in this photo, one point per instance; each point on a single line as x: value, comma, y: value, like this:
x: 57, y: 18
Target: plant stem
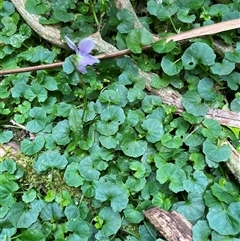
x: 173, y: 25
x: 94, y: 13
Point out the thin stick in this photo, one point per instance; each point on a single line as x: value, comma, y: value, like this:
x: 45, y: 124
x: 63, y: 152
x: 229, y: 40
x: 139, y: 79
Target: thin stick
x: 202, y: 31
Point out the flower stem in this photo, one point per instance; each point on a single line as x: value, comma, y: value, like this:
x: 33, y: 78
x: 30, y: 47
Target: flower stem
x: 94, y: 13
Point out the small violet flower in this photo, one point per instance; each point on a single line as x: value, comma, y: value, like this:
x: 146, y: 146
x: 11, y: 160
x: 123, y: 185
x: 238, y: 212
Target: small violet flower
x: 82, y: 57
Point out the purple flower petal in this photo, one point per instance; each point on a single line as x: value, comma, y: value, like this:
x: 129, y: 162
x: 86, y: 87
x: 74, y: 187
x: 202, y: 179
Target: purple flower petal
x: 81, y: 69
x: 89, y: 60
x: 71, y: 44
x: 85, y: 46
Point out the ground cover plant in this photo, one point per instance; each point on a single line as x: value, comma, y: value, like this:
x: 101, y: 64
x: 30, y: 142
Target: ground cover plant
x: 94, y: 147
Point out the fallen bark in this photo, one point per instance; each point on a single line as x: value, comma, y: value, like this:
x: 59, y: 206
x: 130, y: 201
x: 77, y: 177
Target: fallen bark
x: 171, y: 225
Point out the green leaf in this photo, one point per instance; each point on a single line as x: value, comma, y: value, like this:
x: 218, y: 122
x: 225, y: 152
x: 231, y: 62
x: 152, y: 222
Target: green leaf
x: 114, y: 193
x: 154, y: 130
x: 38, y: 54
x: 225, y: 192
x: 60, y: 133
x: 131, y: 146
x: 39, y: 120
x: 112, y: 221
x: 21, y: 217
x: 60, y: 13
x: 31, y: 147
x: 7, y: 8
x: 5, y: 136
x: 32, y: 235
x: 8, y: 165
x: 137, y: 38
x: 36, y: 7
x: 132, y: 215
x: 111, y: 118
x: 135, y: 185
x: 126, y: 19
x: 169, y: 66
x: 162, y: 11
x: 161, y: 46
x: 224, y: 68
x: 51, y: 212
x: 160, y: 200
x: 225, y: 221
x: 206, y: 90
x: 10, y: 26
x: 198, y: 53
x: 215, y: 153
x: 75, y: 121
x: 193, y: 208
x: 29, y: 196
x: 183, y: 16
x: 233, y: 80
x: 218, y: 237
x: 150, y: 102
x: 135, y: 94
x: 139, y: 169
x: 201, y: 231
x: 110, y: 97
x: 72, y: 176
x: 235, y: 104
x: 197, y: 184
x: 109, y: 142
x: 212, y: 129
x: 63, y: 198
x: 171, y: 142
x: 80, y: 230
x: 49, y: 160
x: 218, y: 10
x: 193, y: 104
x: 7, y: 189
x: 234, y: 56
x: 88, y: 170
x: 173, y: 174
x: 68, y: 66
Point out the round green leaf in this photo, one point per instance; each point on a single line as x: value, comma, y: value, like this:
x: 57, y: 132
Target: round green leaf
x: 198, y: 53
x: 29, y: 196
x: 201, y: 231
x: 172, y: 173
x: 80, y: 230
x: 39, y: 120
x: 32, y: 235
x: 216, y: 153
x: 170, y: 141
x: 131, y: 146
x: 197, y: 184
x: 193, y: 208
x: 21, y: 216
x: 193, y: 104
x: 60, y: 133
x: 72, y: 176
x: 183, y: 16
x: 235, y: 104
x: 112, y: 221
x: 205, y: 89
x: 115, y: 193
x: 169, y: 66
x: 225, y: 221
x: 133, y: 215
x: 31, y: 147
x: 224, y: 68
x: 154, y: 129
x: 88, y: 170
x: 49, y: 160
